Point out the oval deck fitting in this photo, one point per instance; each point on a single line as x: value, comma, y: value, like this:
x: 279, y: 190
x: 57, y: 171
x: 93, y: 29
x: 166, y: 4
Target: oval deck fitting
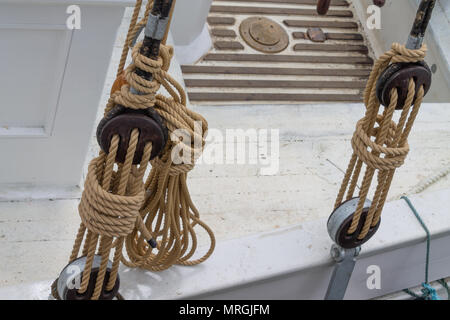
x: 264, y: 35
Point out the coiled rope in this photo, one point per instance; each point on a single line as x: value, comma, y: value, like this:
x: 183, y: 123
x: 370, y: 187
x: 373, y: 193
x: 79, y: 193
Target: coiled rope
x: 379, y: 143
x: 156, y: 219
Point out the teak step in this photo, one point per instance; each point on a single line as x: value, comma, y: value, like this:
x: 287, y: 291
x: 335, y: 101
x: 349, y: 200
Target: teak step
x: 277, y: 11
x: 221, y: 21
x: 288, y: 58
x: 228, y: 45
x: 291, y: 97
x: 344, y: 36
x: 331, y: 47
x: 229, y: 74
x: 310, y: 2
x: 321, y: 24
x: 276, y: 71
x: 223, y: 33
x: 210, y: 83
x: 333, y: 36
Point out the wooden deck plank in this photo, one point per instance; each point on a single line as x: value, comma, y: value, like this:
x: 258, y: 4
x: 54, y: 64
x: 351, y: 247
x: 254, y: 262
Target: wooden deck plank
x: 299, y: 35
x: 228, y: 45
x: 214, y: 21
x: 228, y: 33
x: 277, y: 11
x: 308, y: 2
x: 276, y: 71
x: 231, y: 96
x: 331, y: 47
x: 321, y: 24
x: 344, y: 36
x: 288, y: 58
x: 220, y: 83
x: 332, y: 36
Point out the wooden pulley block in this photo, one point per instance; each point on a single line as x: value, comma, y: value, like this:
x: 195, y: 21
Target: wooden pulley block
x: 398, y: 75
x: 340, y: 221
x: 379, y: 3
x: 118, y: 83
x: 323, y: 6
x: 121, y: 121
x: 70, y: 278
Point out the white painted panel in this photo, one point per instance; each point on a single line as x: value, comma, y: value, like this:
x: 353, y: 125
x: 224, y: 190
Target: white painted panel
x: 33, y: 57
x: 50, y: 96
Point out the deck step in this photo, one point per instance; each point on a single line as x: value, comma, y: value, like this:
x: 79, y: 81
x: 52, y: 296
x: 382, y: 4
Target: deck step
x: 333, y: 36
x: 227, y: 33
x: 288, y: 58
x: 320, y: 24
x: 309, y: 2
x: 286, y: 97
x: 214, y: 21
x: 214, y: 83
x: 343, y: 36
x: 331, y: 47
x: 277, y: 11
x: 276, y: 71
x: 228, y: 45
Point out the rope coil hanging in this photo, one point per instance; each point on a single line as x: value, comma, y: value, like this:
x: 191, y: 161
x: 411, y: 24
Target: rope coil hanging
x: 155, y: 219
x: 380, y: 143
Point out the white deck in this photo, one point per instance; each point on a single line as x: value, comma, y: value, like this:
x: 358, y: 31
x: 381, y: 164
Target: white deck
x: 235, y: 200
x: 291, y: 263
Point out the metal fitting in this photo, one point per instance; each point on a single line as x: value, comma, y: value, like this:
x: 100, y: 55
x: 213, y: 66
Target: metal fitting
x: 151, y: 26
x: 341, y: 219
x: 71, y: 277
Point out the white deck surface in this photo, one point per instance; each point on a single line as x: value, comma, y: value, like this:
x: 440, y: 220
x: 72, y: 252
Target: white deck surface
x: 235, y: 200
x: 293, y: 262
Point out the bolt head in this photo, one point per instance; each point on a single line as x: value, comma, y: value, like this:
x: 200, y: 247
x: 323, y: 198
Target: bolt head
x: 337, y: 253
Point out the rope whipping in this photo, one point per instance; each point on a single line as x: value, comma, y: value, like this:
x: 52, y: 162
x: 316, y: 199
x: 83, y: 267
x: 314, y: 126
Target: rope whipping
x: 380, y: 144
x: 151, y: 215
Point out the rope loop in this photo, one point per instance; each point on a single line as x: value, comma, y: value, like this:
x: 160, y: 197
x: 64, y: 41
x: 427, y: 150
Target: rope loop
x: 376, y: 155
x: 105, y: 213
x: 400, y: 53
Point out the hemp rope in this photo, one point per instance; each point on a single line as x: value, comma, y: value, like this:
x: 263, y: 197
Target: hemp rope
x: 116, y: 207
x: 380, y: 143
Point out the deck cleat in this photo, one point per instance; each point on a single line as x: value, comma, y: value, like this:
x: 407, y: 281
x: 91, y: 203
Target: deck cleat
x: 67, y: 285
x: 398, y: 76
x: 121, y: 121
x: 340, y: 220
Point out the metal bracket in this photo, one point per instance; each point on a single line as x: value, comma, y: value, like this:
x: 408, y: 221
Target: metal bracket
x: 345, y: 263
